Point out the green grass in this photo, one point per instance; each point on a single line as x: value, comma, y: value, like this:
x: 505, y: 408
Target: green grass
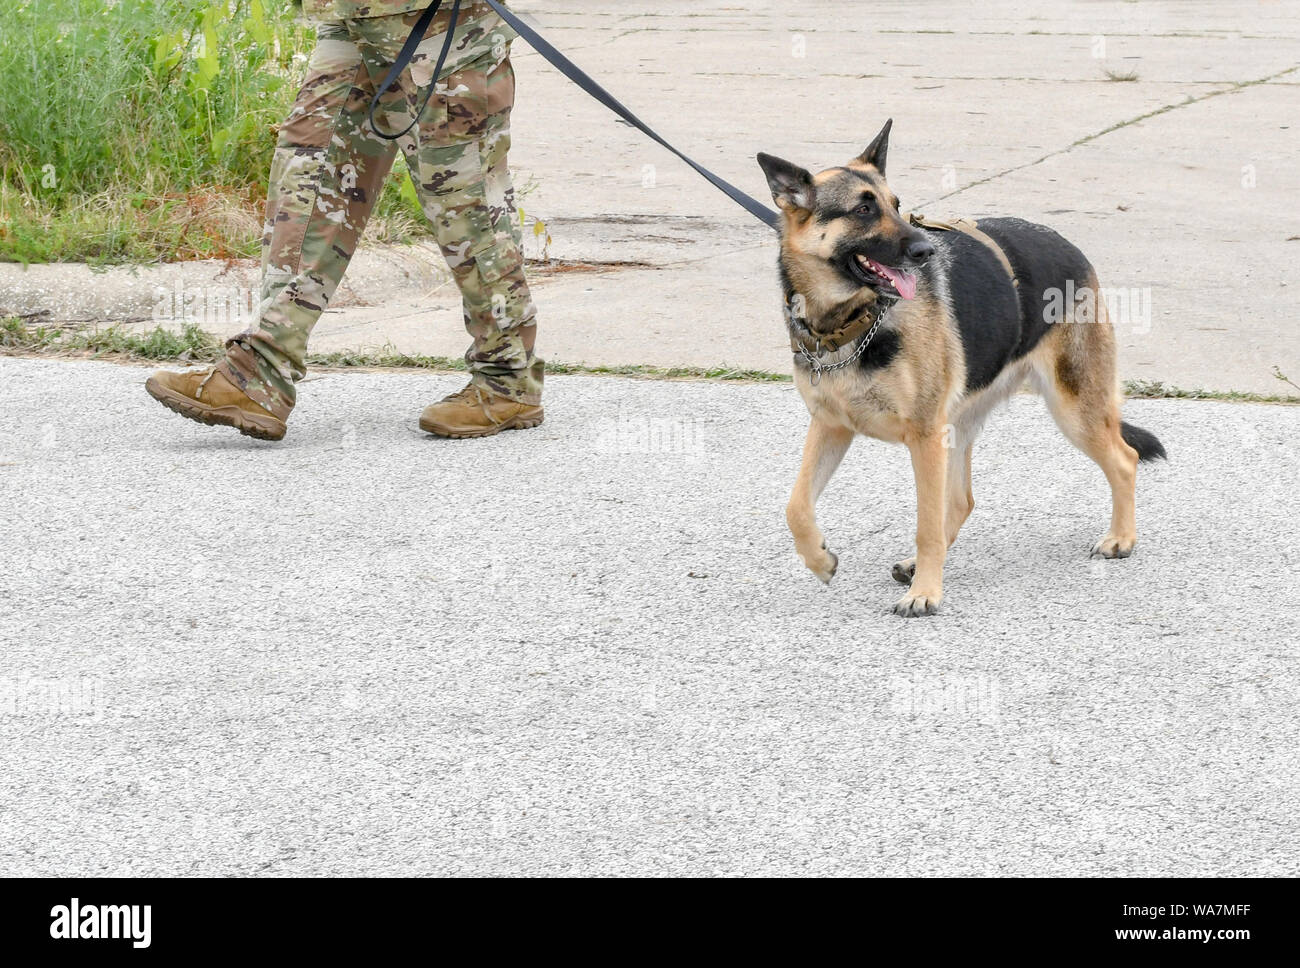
x: 193, y: 345
x: 190, y: 345
x: 1155, y: 390
x: 143, y: 130
x: 395, y: 360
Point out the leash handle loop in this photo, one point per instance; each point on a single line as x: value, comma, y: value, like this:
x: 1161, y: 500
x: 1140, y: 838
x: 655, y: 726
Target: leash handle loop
x: 404, y: 57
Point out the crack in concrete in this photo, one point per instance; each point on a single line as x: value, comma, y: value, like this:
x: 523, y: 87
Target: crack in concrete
x: 1086, y: 139
x: 992, y: 78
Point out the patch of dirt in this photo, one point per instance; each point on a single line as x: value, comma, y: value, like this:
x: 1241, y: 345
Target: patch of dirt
x: 560, y: 267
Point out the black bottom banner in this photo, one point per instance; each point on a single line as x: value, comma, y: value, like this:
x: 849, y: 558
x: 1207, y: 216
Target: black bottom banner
x: 137, y: 919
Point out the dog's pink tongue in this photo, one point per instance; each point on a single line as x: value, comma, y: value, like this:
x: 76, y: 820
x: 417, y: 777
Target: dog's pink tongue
x: 904, y: 282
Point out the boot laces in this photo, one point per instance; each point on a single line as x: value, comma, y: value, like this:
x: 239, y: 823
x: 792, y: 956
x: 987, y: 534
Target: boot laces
x: 211, y: 372
x: 472, y: 392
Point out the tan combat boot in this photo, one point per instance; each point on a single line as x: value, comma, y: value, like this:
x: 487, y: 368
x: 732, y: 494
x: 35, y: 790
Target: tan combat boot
x: 475, y: 412
x: 208, y: 397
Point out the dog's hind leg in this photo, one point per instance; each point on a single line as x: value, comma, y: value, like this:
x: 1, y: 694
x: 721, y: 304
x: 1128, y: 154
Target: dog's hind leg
x: 823, y: 450
x: 961, y: 501
x: 1083, y: 396
x: 1096, y: 432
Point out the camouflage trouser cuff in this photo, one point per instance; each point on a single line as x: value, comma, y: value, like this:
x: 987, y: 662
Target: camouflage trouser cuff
x: 522, y: 386
x: 239, y: 366
x: 494, y: 385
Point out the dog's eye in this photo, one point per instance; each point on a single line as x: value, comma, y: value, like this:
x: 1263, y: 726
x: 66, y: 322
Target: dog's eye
x: 866, y: 208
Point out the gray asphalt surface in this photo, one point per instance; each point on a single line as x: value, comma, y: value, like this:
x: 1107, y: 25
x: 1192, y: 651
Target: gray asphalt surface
x: 590, y: 648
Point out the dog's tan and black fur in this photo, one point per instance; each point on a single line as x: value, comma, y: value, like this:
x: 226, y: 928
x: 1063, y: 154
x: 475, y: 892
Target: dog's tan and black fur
x: 975, y: 332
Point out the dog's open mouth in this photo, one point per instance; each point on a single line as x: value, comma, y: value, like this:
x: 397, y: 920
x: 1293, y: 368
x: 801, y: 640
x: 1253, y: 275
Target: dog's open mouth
x: 892, y: 281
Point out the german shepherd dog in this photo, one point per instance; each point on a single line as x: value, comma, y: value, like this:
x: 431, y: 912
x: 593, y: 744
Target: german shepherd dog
x: 959, y: 325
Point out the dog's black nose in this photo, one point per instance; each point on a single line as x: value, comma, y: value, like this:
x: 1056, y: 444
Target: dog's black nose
x: 920, y: 250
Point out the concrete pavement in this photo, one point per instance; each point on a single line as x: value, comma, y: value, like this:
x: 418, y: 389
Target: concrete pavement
x: 589, y: 648
x: 1180, y: 183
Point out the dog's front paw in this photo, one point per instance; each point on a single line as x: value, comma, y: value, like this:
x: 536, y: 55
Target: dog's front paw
x: 1114, y: 547
x: 903, y: 571
x: 916, y: 603
x: 823, y: 563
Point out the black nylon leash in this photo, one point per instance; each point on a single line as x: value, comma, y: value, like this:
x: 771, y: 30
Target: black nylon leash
x: 574, y: 73
x: 404, y: 58
x: 580, y: 77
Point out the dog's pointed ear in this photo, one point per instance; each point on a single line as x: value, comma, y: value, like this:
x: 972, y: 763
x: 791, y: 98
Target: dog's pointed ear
x: 792, y: 186
x: 878, y: 150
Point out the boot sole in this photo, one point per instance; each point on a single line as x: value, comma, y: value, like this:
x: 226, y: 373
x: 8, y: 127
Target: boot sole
x: 515, y: 423
x: 246, y: 423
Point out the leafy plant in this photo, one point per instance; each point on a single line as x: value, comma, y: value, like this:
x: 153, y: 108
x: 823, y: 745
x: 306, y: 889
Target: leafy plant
x: 144, y: 129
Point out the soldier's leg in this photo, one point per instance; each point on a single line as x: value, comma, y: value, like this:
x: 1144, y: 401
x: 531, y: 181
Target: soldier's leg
x: 460, y: 173
x: 327, y: 172
x: 465, y: 191
x: 457, y: 158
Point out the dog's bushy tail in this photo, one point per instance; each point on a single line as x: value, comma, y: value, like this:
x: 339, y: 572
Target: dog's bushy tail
x: 1144, y: 442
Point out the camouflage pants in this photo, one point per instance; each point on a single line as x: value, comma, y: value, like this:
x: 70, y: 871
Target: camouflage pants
x: 329, y: 168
